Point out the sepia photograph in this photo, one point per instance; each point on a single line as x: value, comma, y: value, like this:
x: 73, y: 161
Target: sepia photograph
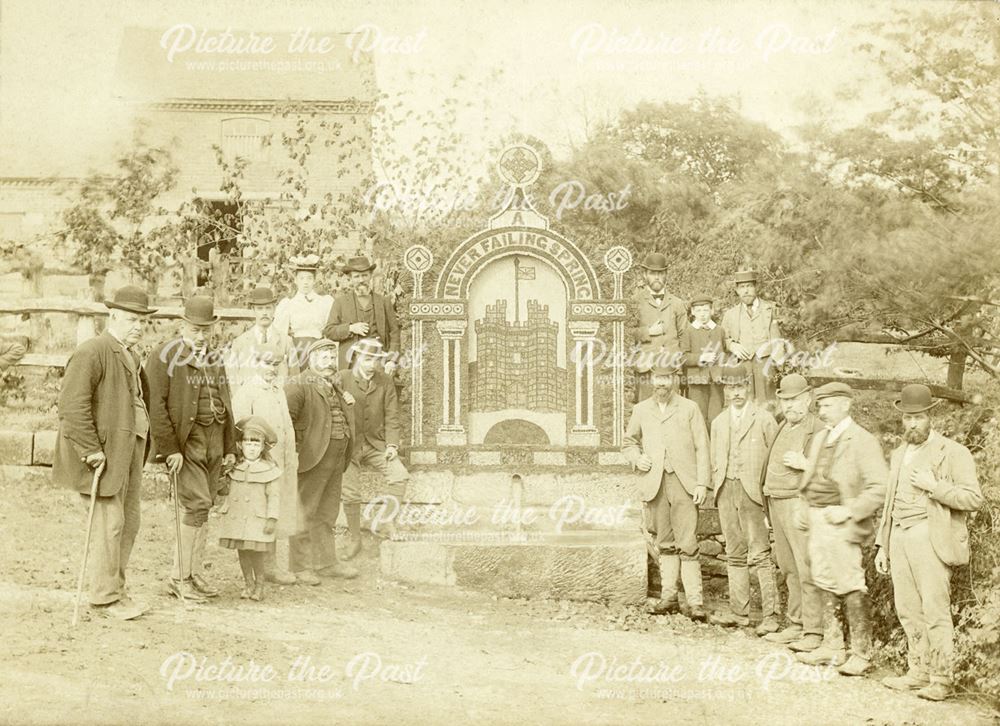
x: 491, y: 362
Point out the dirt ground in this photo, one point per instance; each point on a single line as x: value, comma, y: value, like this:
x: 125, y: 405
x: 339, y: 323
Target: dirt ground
x: 369, y: 651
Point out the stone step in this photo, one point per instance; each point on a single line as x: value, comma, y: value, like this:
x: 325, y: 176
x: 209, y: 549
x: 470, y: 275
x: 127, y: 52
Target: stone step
x: 580, y: 565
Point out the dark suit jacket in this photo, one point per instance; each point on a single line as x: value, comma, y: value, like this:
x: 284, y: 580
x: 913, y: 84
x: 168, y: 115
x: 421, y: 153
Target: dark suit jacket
x: 693, y: 342
x: 310, y: 411
x: 344, y: 312
x: 174, y: 386
x: 376, y: 413
x: 96, y: 414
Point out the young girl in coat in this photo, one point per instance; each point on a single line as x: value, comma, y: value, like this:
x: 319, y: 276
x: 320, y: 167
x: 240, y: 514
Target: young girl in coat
x: 250, y: 513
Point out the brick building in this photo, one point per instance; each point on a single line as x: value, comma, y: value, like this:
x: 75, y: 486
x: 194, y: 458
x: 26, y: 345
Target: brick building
x: 195, y: 104
x: 516, y: 362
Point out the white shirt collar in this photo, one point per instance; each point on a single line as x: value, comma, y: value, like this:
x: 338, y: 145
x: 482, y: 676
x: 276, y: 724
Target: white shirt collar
x: 710, y: 325
x: 736, y: 414
x: 837, y: 430
x: 753, y: 307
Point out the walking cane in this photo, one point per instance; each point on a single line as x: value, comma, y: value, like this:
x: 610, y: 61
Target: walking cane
x: 177, y: 535
x: 86, y: 547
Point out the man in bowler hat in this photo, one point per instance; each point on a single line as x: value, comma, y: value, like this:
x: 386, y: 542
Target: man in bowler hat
x: 262, y: 334
x: 323, y: 420
x: 192, y: 425
x: 922, y: 536
x: 361, y: 313
x: 104, y: 419
x: 752, y: 333
x: 663, y: 317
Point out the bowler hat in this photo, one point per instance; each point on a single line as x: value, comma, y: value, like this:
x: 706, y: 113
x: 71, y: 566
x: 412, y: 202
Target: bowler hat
x: 358, y: 264
x: 792, y: 385
x: 131, y: 298
x: 745, y: 276
x: 257, y: 425
x: 305, y: 263
x: 320, y: 345
x: 834, y: 389
x: 733, y: 375
x: 655, y: 261
x: 701, y: 299
x: 665, y: 370
x: 915, y: 398
x: 262, y: 296
x: 371, y: 347
x: 200, y: 310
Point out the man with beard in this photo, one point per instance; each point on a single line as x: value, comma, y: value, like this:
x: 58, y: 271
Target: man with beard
x: 752, y: 333
x: 844, y: 487
x: 741, y: 435
x: 323, y: 420
x: 261, y: 335
x: 662, y: 320
x: 783, y: 467
x: 360, y: 313
x: 666, y: 438
x: 922, y: 535
x: 104, y: 419
x: 192, y: 425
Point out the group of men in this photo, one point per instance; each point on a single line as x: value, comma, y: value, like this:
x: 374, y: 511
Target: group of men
x: 808, y: 492
x: 332, y: 419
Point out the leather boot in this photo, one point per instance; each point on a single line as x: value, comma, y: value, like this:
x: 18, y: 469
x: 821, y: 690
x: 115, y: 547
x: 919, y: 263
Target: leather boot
x: 691, y: 579
x: 831, y: 650
x: 197, y: 564
x: 859, y: 621
x: 670, y: 570
x: 739, y: 593
x: 180, y: 584
x: 274, y: 573
x: 352, y: 512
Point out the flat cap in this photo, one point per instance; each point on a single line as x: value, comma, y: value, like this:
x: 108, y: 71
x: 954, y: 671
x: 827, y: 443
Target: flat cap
x: 834, y: 389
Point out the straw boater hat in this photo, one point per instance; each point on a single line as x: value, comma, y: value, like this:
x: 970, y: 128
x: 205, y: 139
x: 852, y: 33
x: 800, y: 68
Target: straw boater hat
x: 745, y: 276
x: 370, y: 347
x: 131, y: 298
x: 915, y: 398
x: 200, y: 310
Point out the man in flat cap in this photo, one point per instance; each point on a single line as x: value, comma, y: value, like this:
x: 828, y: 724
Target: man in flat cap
x: 752, y: 332
x: 192, y: 423
x: 662, y: 320
x: 666, y: 439
x: 783, y: 467
x: 703, y: 343
x: 844, y: 488
x: 361, y: 313
x: 323, y: 420
x: 104, y: 420
x: 376, y: 416
x: 741, y: 435
x: 922, y: 535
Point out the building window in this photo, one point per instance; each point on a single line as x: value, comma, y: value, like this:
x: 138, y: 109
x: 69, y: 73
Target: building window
x: 246, y: 137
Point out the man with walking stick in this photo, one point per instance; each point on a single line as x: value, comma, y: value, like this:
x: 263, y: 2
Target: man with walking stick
x: 104, y: 424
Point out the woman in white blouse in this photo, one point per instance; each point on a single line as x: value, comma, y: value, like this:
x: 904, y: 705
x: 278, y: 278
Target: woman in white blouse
x: 303, y: 315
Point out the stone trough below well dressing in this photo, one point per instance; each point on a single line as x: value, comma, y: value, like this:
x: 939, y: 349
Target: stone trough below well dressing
x: 573, y: 536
